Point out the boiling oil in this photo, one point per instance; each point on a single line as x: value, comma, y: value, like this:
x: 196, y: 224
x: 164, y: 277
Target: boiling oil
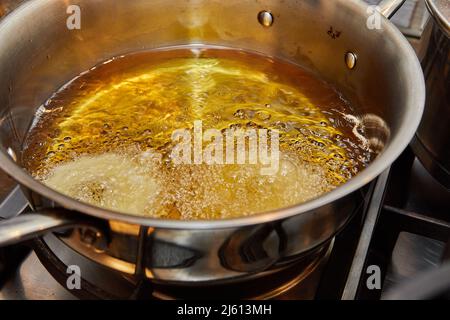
x: 105, y: 137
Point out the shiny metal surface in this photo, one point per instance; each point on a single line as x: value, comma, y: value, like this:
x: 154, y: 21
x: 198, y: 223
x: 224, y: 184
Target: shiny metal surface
x: 388, y: 7
x: 412, y: 256
x: 266, y: 18
x: 350, y: 60
x: 428, y: 285
x: 31, y: 225
x: 33, y: 282
x: 38, y: 54
x: 13, y: 204
x: 434, y: 198
x: 440, y: 10
x: 433, y: 137
x: 38, y: 278
x: 356, y: 270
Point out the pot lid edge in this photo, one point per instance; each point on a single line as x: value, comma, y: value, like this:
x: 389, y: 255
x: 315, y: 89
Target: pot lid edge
x: 440, y: 10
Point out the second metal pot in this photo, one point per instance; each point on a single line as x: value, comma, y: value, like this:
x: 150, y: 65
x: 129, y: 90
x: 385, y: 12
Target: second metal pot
x: 432, y: 142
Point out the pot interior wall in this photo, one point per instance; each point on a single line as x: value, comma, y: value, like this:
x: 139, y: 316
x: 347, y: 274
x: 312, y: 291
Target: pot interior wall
x: 38, y: 53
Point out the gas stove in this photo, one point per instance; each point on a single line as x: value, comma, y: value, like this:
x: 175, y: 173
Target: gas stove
x: 400, y: 231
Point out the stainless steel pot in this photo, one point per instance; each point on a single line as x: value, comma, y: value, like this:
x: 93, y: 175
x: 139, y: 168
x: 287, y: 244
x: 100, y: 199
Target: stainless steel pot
x: 375, y: 68
x: 432, y: 142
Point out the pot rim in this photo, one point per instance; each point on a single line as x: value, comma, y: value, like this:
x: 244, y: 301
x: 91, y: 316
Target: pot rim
x: 440, y: 12
x: 391, y: 152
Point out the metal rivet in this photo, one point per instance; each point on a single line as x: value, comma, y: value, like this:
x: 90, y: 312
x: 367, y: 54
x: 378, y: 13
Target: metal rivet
x: 350, y: 60
x: 266, y: 18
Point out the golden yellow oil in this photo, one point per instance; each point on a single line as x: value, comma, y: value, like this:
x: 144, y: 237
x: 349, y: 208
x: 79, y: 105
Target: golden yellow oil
x: 105, y: 137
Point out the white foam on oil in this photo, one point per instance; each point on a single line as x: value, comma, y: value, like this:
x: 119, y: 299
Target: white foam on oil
x: 141, y: 184
x: 357, y: 126
x: 111, y: 181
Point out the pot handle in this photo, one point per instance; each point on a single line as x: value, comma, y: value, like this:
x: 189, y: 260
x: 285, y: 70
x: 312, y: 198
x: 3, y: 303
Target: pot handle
x: 31, y: 225
x: 389, y: 7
